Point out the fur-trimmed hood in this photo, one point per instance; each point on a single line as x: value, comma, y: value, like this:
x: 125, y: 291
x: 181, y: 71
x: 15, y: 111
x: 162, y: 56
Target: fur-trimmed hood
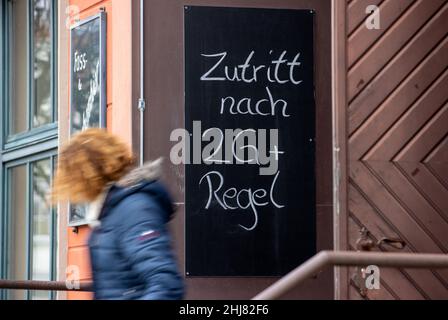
x: 149, y: 171
x: 134, y: 181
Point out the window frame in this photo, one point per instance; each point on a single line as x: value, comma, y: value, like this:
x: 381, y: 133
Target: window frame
x: 49, y: 130
x: 50, y: 155
x: 35, y: 144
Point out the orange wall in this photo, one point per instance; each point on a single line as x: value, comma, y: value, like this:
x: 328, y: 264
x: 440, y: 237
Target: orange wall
x: 118, y: 107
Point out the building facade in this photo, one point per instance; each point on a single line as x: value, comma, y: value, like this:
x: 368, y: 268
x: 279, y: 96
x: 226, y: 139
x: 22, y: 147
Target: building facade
x: 381, y: 141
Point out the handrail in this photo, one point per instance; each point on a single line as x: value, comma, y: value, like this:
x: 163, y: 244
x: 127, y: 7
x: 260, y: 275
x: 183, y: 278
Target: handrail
x: 44, y: 285
x: 291, y: 280
x: 350, y: 258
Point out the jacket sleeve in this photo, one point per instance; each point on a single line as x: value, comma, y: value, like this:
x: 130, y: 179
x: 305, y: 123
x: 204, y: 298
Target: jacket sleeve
x: 145, y: 242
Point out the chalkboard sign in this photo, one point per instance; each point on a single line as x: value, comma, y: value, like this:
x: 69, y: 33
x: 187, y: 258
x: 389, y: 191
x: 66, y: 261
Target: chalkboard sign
x: 87, y: 84
x: 250, y: 119
x: 88, y: 74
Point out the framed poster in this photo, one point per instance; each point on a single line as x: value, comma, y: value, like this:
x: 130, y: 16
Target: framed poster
x: 250, y: 112
x: 87, y: 85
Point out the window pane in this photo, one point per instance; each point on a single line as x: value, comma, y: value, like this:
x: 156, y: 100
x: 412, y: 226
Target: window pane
x: 41, y: 222
x: 17, y: 261
x: 18, y: 72
x: 42, y: 111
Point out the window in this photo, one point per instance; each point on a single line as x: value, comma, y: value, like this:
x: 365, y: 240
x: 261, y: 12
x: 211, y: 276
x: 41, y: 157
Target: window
x: 28, y: 143
x: 17, y: 243
x: 30, y: 50
x: 18, y: 71
x: 29, y: 223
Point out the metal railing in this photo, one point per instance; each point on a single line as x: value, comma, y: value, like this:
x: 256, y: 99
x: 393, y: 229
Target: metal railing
x: 44, y: 285
x: 307, y: 270
x: 351, y: 258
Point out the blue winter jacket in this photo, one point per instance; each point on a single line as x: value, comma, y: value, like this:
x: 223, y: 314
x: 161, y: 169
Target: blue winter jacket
x: 130, y: 251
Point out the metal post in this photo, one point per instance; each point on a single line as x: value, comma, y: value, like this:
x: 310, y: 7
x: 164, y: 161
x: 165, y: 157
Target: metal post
x: 141, y: 101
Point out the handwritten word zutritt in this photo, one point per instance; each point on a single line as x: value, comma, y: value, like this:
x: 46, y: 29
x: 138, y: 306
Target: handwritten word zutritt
x: 249, y: 73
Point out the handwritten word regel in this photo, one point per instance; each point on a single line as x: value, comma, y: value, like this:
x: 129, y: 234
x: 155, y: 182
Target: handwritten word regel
x: 233, y: 199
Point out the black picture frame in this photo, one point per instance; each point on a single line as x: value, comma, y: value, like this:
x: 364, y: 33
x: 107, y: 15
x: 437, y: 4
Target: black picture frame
x: 282, y: 234
x: 88, y: 84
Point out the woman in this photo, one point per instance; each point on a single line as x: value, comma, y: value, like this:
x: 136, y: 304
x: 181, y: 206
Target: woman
x: 129, y: 209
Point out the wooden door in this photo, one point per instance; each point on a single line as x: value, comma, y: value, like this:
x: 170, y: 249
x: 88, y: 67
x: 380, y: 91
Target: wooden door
x: 397, y: 85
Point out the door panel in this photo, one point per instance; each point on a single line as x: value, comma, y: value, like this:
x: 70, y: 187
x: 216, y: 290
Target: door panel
x: 397, y: 116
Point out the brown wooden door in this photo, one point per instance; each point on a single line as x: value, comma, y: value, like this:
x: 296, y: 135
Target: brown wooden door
x: 398, y: 137
x: 165, y: 94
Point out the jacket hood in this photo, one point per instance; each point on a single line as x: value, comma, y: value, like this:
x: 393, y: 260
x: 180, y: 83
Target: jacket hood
x: 142, y: 179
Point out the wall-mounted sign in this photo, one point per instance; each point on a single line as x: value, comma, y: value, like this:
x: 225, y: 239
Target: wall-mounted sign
x: 250, y: 116
x: 87, y: 84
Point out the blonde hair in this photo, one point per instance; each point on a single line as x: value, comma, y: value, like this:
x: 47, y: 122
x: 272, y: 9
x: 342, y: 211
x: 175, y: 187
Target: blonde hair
x: 89, y: 162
